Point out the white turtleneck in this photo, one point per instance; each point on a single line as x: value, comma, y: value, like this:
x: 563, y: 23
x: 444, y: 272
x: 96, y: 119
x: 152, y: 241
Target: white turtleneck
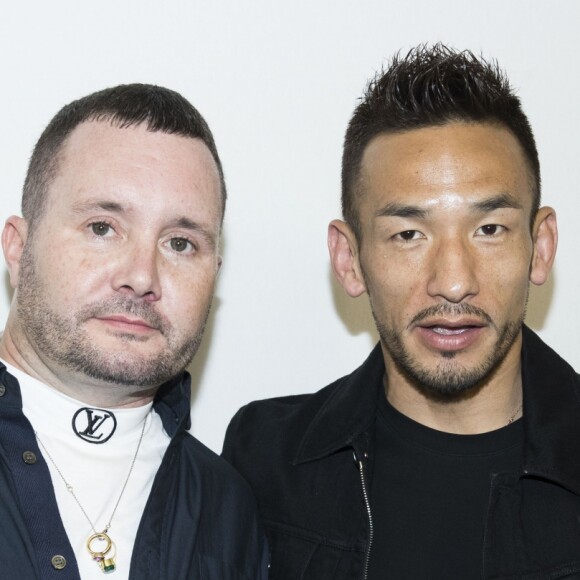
x: 93, y: 449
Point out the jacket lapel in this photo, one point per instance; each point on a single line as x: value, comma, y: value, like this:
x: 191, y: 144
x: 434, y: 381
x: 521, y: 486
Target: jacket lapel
x: 347, y: 415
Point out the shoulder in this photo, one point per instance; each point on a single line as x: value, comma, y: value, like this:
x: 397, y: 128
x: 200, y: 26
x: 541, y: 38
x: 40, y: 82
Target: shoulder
x: 270, y: 420
x: 209, y: 516
x: 542, y: 366
x: 347, y: 402
x: 221, y: 496
x: 208, y: 469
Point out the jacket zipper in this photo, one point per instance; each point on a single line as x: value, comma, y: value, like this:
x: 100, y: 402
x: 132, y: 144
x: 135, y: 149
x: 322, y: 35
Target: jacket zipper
x: 361, y: 469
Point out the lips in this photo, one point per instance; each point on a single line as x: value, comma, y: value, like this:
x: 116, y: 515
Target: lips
x: 120, y: 314
x: 449, y: 331
x: 126, y: 323
x: 450, y: 335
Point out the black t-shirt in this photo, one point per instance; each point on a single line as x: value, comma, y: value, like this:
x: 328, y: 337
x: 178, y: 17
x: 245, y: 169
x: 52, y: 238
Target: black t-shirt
x: 429, y: 496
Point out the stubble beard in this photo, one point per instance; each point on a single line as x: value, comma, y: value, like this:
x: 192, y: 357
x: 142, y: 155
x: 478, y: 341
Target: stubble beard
x: 449, y: 379
x: 64, y: 340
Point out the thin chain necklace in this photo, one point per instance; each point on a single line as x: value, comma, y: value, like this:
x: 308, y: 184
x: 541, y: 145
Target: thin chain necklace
x: 99, y: 544
x: 513, y: 417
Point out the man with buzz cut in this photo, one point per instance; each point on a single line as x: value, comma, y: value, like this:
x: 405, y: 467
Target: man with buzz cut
x: 114, y: 264
x: 451, y: 453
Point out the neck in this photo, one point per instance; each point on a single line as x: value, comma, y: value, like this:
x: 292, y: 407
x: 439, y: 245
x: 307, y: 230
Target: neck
x: 489, y: 406
x: 21, y: 355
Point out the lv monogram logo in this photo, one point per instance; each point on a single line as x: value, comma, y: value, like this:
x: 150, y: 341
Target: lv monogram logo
x: 94, y: 425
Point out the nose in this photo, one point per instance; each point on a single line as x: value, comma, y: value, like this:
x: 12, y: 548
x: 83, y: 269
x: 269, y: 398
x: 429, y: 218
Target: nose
x: 452, y: 272
x: 137, y: 272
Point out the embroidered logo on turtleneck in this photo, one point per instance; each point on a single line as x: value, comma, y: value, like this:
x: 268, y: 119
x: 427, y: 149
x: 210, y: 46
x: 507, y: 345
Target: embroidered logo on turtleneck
x: 94, y: 425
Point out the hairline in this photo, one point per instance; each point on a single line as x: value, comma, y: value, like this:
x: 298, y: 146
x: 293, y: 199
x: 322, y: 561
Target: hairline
x: 116, y: 121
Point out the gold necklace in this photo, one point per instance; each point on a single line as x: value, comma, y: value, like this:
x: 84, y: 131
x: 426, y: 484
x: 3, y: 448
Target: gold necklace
x: 99, y: 544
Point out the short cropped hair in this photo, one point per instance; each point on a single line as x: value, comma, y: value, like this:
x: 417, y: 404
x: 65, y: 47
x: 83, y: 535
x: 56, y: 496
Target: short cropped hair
x: 123, y: 106
x: 432, y: 86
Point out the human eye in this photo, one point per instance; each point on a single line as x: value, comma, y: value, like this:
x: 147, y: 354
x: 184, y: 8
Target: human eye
x: 181, y: 245
x: 490, y: 230
x: 101, y: 229
x: 409, y: 235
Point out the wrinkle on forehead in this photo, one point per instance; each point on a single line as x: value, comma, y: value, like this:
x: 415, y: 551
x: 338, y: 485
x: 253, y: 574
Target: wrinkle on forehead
x: 444, y: 166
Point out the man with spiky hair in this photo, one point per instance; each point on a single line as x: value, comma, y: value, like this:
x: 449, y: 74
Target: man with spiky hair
x: 450, y: 453
x: 114, y: 265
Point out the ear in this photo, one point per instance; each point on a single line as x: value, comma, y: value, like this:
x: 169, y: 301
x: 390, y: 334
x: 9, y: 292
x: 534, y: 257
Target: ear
x: 344, y: 258
x: 545, y: 237
x: 14, y: 237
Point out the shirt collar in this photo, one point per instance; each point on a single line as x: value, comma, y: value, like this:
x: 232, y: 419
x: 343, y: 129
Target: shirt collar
x: 551, y: 413
x: 172, y: 401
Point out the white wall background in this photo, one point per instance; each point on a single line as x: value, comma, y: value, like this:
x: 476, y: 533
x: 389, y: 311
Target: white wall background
x: 277, y: 83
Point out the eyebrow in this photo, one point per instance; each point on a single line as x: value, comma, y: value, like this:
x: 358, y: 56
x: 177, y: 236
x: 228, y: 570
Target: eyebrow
x: 91, y: 205
x: 500, y: 201
x: 503, y: 200
x: 401, y: 210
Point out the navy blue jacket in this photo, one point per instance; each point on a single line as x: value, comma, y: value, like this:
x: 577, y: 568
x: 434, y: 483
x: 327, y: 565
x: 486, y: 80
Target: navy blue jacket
x: 308, y: 457
x: 200, y: 520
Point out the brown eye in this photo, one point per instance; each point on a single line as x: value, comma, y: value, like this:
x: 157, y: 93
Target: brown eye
x: 100, y: 228
x: 179, y: 244
x: 490, y: 229
x: 408, y: 235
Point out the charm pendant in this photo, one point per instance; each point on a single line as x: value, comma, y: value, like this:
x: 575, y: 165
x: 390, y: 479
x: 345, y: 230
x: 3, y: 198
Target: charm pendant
x: 100, y: 547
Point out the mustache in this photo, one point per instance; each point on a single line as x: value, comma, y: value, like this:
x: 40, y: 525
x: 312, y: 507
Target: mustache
x: 453, y: 310
x: 124, y: 305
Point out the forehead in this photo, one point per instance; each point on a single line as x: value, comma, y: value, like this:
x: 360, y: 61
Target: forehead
x: 457, y: 159
x: 99, y: 159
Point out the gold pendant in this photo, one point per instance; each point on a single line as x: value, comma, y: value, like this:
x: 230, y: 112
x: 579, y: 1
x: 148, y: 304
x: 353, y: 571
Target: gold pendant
x: 99, y: 546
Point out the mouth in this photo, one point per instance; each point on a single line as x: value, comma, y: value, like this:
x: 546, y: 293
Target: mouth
x: 450, y: 335
x: 449, y: 328
x: 127, y: 324
x: 450, y: 331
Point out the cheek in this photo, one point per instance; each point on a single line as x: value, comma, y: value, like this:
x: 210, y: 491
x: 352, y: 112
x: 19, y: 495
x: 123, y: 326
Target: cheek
x: 187, y: 296
x: 395, y: 291
x: 513, y: 290
x: 71, y: 278
x: 508, y: 275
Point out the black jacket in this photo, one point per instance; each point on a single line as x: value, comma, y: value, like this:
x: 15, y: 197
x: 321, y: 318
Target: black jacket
x: 303, y: 457
x: 199, y: 522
